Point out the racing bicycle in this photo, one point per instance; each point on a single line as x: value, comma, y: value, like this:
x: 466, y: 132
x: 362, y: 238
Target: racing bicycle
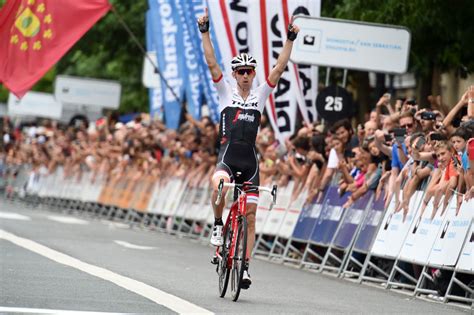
x: 230, y: 258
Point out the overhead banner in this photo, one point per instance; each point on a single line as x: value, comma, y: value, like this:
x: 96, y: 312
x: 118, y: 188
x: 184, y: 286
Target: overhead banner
x: 352, y: 45
x: 169, y: 46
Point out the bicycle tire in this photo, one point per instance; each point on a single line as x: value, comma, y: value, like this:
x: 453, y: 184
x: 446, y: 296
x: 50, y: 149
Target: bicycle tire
x: 240, y: 255
x: 223, y: 270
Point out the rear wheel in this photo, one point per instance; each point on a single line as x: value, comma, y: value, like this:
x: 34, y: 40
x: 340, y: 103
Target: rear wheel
x: 240, y: 255
x: 223, y: 270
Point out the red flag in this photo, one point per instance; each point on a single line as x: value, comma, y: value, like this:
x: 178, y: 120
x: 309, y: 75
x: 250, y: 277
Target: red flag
x: 35, y: 34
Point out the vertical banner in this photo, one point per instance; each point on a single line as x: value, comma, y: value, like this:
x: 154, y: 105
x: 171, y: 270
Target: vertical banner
x: 192, y: 9
x: 231, y: 27
x: 307, y: 74
x: 192, y: 81
x: 267, y: 41
x: 169, y: 46
x: 150, y: 78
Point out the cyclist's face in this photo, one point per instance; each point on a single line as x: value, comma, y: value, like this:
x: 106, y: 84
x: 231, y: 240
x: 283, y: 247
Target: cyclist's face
x: 244, y: 76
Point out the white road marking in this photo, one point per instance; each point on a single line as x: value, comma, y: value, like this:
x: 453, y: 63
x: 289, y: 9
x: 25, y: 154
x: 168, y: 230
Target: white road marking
x: 156, y: 295
x: 133, y: 246
x: 47, y: 311
x: 67, y: 220
x: 13, y: 216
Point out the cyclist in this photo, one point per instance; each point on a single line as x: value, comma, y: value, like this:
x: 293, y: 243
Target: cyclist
x: 240, y: 112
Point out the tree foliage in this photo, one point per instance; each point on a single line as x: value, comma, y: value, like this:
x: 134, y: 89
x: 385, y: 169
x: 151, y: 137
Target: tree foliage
x: 108, y: 52
x: 442, y: 31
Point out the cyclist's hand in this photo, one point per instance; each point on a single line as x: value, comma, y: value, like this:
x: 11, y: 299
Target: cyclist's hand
x: 203, y: 22
x: 292, y: 30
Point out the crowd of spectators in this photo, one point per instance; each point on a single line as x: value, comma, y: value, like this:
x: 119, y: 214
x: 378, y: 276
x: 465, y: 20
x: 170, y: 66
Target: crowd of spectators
x: 398, y: 148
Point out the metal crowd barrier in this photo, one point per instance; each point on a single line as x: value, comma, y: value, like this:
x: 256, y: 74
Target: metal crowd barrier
x: 365, y: 243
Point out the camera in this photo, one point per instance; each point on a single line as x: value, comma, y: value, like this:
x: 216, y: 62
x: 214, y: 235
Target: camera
x: 428, y: 116
x: 411, y: 101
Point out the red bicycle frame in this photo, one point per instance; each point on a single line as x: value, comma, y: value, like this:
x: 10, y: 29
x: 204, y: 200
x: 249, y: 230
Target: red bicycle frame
x: 238, y: 209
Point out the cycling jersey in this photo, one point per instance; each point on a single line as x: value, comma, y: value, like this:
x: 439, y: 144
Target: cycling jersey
x: 239, y: 124
x: 240, y: 119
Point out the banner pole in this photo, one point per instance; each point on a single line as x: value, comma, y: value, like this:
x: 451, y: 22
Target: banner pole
x: 344, y: 78
x: 328, y: 73
x: 139, y: 45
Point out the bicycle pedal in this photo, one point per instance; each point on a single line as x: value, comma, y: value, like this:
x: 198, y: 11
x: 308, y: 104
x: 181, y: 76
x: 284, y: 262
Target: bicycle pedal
x: 215, y: 260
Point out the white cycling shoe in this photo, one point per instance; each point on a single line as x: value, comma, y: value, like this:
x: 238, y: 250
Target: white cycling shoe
x: 246, y: 281
x: 216, y: 236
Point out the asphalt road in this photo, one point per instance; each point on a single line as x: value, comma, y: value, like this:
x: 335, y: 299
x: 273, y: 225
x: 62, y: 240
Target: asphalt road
x: 54, y: 262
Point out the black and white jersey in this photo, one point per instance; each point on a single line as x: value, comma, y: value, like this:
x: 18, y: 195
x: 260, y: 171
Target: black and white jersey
x: 239, y: 118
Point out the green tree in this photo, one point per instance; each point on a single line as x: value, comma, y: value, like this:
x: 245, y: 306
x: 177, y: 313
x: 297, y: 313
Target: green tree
x: 441, y: 33
x: 107, y: 51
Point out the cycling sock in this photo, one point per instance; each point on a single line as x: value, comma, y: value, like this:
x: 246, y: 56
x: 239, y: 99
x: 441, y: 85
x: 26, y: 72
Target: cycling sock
x: 218, y: 221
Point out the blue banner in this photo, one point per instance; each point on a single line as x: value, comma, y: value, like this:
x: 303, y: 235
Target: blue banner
x: 193, y: 85
x: 155, y: 97
x: 167, y: 38
x: 192, y: 10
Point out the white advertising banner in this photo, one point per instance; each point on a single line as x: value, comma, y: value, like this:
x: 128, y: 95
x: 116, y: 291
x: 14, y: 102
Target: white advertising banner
x: 352, y: 45
x: 423, y: 232
x: 466, y: 258
x: 292, y: 215
x: 394, y: 228
x: 267, y: 41
x: 276, y: 216
x: 35, y: 104
x: 450, y: 239
x: 89, y: 92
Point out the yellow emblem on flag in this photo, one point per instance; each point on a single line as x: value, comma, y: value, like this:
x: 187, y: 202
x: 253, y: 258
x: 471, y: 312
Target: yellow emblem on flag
x: 29, y: 24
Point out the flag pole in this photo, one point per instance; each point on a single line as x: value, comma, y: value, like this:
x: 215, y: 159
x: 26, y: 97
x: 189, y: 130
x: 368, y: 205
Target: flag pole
x: 137, y: 42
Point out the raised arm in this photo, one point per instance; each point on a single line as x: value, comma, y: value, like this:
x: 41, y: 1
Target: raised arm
x: 203, y: 23
x: 284, y: 56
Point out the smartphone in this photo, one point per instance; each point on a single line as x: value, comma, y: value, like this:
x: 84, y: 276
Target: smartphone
x: 428, y: 116
x: 388, y: 137
x: 411, y: 102
x: 387, y: 96
x: 420, y: 142
x: 400, y: 134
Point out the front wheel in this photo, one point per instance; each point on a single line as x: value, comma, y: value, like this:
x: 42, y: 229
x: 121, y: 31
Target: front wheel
x: 223, y: 269
x: 240, y: 256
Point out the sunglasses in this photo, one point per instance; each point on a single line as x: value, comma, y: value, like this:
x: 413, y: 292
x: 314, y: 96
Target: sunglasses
x: 406, y: 126
x: 244, y: 71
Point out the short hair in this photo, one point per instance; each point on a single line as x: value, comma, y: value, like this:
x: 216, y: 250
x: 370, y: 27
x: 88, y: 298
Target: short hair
x: 302, y: 143
x: 443, y: 145
x: 461, y: 133
x: 345, y: 123
x: 407, y: 114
